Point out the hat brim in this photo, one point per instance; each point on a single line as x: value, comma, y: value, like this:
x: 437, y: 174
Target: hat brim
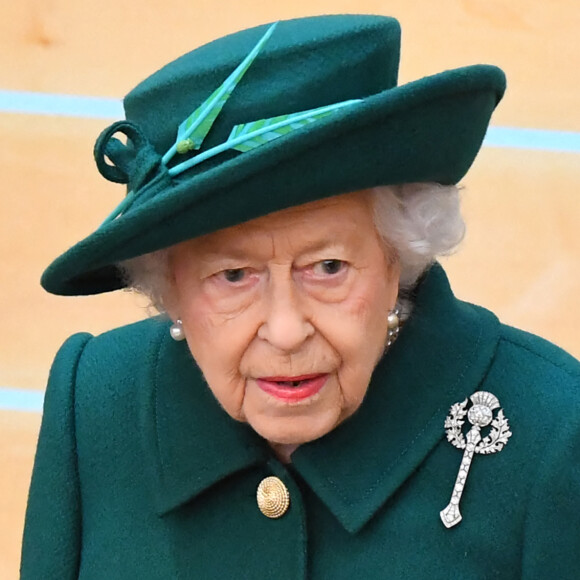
x: 429, y: 130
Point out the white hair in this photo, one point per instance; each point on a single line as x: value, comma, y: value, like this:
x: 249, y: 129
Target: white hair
x: 417, y: 221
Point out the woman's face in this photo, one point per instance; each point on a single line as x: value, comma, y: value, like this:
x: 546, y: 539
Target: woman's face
x: 286, y: 315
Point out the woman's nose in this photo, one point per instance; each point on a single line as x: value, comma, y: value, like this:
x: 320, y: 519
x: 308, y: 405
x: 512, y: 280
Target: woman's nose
x: 285, y: 323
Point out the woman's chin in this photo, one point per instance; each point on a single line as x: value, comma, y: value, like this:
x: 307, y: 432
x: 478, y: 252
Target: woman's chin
x: 293, y: 422
x: 294, y: 430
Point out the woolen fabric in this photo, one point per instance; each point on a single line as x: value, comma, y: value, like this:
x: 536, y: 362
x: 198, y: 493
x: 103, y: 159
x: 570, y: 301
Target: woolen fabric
x: 140, y: 474
x: 429, y: 130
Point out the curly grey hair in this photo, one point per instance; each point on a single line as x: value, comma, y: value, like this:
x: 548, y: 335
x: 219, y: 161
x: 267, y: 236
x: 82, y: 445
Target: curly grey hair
x: 417, y: 221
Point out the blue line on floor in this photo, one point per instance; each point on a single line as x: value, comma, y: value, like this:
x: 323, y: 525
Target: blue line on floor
x: 21, y: 400
x: 60, y: 105
x: 108, y: 108
x: 540, y: 139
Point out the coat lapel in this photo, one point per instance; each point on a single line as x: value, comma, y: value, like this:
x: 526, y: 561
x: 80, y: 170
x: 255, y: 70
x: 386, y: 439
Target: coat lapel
x: 189, y: 440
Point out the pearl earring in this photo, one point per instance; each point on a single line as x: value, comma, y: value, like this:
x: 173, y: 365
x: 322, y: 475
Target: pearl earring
x: 176, y: 330
x: 393, y: 326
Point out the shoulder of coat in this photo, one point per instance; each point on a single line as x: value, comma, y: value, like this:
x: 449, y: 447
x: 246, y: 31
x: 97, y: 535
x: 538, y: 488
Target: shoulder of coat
x: 116, y: 366
x: 539, y: 375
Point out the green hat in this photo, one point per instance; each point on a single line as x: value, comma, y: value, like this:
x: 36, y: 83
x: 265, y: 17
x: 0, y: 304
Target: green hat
x: 268, y: 118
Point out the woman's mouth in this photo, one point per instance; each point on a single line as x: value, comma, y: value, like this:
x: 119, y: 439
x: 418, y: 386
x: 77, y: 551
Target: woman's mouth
x: 293, y: 389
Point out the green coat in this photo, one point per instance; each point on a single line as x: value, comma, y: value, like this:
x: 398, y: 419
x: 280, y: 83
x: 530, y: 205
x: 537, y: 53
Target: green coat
x: 140, y: 474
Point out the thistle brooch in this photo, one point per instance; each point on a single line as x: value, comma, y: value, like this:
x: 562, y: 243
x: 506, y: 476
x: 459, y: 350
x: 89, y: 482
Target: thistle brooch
x: 479, y: 415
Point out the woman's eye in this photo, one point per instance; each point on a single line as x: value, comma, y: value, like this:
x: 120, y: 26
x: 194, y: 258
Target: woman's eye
x: 329, y: 267
x: 234, y: 275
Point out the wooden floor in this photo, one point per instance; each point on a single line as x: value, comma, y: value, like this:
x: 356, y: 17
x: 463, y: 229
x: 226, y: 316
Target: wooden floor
x: 522, y: 251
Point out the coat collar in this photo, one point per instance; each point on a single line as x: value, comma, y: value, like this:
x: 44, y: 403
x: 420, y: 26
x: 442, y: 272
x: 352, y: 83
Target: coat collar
x: 440, y: 358
x: 189, y: 440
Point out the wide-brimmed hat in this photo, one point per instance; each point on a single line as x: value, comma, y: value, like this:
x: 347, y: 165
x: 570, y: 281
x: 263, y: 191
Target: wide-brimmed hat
x: 268, y: 118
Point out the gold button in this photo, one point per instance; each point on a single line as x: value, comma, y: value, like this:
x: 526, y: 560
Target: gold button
x: 273, y: 497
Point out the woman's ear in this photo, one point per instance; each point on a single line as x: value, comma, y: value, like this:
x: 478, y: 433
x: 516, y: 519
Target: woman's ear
x: 394, y: 278
x: 170, y: 297
x: 170, y: 308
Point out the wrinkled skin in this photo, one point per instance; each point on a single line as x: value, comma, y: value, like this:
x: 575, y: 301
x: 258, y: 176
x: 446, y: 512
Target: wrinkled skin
x: 300, y: 292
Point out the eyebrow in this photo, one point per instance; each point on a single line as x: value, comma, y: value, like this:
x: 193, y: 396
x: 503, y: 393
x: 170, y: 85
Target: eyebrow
x: 323, y: 245
x: 239, y: 253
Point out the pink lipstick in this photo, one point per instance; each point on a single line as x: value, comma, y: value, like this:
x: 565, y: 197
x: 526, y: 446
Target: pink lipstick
x: 292, y: 389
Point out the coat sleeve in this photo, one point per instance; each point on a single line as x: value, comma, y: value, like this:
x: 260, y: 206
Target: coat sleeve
x: 52, y: 531
x: 552, y: 532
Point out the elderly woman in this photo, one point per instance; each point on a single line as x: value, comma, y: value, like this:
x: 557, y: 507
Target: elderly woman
x: 315, y: 403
